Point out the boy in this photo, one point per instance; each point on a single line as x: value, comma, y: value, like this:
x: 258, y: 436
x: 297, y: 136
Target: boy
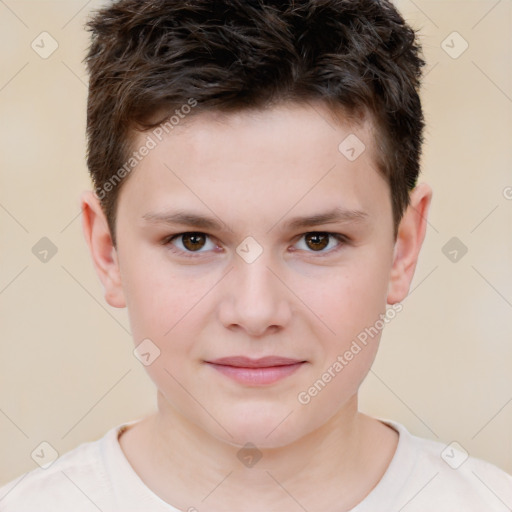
x: 256, y: 209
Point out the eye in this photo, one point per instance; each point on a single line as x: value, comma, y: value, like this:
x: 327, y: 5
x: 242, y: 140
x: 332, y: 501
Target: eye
x: 317, y: 241
x: 190, y: 242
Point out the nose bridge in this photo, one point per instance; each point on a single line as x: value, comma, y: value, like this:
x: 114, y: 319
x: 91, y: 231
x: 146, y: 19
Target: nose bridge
x: 254, y: 280
x: 258, y: 298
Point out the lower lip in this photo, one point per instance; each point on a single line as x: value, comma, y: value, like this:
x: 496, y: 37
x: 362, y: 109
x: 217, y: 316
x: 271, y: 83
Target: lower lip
x: 257, y: 376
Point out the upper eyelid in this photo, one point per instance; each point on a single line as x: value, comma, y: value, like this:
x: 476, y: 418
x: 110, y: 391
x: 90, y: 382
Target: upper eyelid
x: 332, y: 233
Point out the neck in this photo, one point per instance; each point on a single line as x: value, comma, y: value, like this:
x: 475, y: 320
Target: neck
x: 342, y: 458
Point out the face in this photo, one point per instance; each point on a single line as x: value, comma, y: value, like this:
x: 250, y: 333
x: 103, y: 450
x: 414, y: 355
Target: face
x: 252, y: 235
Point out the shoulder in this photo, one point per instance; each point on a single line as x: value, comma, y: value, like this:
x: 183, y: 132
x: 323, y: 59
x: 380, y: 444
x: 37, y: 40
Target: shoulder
x: 78, y: 477
x: 449, y: 477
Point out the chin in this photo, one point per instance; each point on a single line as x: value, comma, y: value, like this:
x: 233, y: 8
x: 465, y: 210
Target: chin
x: 274, y: 428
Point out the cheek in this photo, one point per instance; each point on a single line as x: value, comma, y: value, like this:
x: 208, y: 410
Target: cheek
x: 159, y: 295
x: 351, y: 304
x: 349, y: 298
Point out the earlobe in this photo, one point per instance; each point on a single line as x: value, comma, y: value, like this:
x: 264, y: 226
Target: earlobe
x: 411, y: 234
x: 103, y: 253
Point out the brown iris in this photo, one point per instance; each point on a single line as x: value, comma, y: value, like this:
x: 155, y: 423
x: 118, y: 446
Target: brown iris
x: 193, y: 241
x: 318, y: 240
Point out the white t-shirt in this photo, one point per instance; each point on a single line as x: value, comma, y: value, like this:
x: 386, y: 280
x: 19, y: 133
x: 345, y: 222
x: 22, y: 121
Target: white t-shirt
x: 423, y: 475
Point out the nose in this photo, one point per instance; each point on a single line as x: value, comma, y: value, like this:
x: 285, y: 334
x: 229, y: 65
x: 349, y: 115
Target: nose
x: 255, y: 299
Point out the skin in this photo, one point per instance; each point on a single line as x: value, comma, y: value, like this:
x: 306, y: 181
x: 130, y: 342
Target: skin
x: 253, y: 172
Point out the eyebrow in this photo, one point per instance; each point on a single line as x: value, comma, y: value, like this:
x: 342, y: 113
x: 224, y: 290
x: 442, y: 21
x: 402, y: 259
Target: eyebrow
x: 329, y: 217
x: 188, y: 218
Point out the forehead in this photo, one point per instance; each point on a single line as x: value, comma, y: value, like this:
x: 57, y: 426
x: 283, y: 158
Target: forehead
x: 260, y: 159
x: 281, y: 128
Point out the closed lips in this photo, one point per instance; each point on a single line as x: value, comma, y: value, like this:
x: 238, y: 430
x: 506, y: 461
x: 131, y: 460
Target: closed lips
x: 264, y: 362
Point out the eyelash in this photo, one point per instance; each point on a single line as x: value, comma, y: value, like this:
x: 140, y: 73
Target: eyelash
x: 342, y: 239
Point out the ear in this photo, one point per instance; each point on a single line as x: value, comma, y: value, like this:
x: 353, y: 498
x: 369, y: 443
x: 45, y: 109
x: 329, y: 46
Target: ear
x: 104, y: 254
x: 411, y: 233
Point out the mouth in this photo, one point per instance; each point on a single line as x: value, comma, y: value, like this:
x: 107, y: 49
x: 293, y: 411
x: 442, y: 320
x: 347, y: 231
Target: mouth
x: 256, y: 372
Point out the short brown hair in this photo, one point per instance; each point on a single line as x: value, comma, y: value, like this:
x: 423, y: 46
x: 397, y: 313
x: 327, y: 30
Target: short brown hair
x: 149, y: 58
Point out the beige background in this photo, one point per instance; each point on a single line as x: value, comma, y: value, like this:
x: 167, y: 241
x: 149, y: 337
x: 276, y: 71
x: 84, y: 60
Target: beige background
x: 67, y: 369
